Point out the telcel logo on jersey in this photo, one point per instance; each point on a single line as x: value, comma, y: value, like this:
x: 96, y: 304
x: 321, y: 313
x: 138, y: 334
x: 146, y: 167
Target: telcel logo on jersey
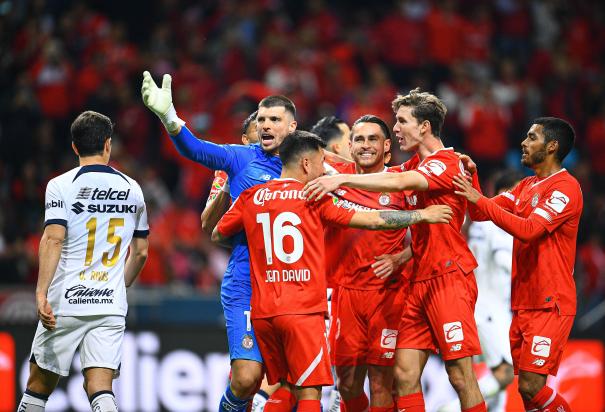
x: 453, y: 332
x: 388, y: 339
x: 100, y: 194
x: 540, y: 346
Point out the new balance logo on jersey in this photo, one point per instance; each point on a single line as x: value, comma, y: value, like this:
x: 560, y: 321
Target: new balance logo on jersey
x: 53, y: 203
x: 388, y: 339
x: 77, y: 208
x: 538, y: 362
x: 541, y: 346
x: 84, y: 193
x: 453, y: 332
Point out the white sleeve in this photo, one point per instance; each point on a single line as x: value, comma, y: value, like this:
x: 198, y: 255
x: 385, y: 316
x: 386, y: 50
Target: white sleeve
x: 55, y: 209
x: 141, y: 228
x: 502, y: 249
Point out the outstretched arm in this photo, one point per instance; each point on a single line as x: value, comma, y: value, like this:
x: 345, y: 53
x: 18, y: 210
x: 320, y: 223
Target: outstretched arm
x: 375, y: 182
x: 524, y: 229
x: 398, y: 219
x: 216, y: 206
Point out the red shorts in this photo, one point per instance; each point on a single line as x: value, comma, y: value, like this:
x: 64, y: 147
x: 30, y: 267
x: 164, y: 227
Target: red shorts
x: 366, y: 327
x: 294, y: 348
x: 538, y: 338
x: 439, y: 316
x: 333, y: 326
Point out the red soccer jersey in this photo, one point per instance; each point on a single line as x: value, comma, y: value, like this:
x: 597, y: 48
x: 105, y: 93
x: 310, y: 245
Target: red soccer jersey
x: 542, y: 275
x: 286, y: 242
x: 350, y: 252
x: 437, y: 248
x: 217, y: 184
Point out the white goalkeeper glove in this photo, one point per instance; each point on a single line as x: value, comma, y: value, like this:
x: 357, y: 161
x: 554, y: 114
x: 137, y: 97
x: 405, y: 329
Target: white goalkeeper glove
x: 159, y: 101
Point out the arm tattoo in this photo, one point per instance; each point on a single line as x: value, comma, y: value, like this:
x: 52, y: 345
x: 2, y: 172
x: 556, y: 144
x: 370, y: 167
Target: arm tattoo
x: 397, y: 219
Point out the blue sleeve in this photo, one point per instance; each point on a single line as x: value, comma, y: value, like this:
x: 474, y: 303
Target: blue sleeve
x: 211, y: 155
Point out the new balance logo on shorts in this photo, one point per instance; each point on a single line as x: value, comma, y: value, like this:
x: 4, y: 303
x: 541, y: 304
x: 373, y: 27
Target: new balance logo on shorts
x: 538, y: 362
x: 540, y: 346
x: 388, y: 339
x: 453, y: 332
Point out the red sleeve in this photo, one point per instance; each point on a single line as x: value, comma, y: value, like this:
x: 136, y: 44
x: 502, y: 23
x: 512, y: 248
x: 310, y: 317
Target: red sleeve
x: 333, y: 213
x: 557, y: 206
x: 506, y: 200
x: 524, y: 229
x: 232, y: 222
x: 439, y: 171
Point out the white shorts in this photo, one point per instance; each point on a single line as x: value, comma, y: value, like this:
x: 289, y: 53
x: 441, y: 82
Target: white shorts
x: 493, y: 319
x: 99, y: 339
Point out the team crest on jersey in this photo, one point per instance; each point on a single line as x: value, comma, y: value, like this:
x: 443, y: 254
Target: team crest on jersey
x: 247, y: 342
x: 384, y: 199
x: 534, y: 200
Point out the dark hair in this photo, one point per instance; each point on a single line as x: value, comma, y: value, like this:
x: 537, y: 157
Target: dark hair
x: 248, y: 120
x: 327, y: 129
x: 560, y: 131
x: 370, y: 118
x: 506, y: 179
x: 297, y: 143
x: 277, y: 101
x: 425, y: 106
x: 89, y: 132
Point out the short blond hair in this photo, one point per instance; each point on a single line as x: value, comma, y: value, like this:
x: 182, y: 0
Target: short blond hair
x: 425, y: 106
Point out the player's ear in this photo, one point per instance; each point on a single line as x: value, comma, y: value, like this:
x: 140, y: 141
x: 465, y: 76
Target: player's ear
x: 75, y: 149
x: 107, y: 147
x: 245, y: 140
x: 292, y: 126
x: 305, y: 164
x: 552, y: 146
x: 387, y: 145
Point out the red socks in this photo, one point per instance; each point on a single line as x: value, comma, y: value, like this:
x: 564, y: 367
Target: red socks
x: 282, y: 400
x: 411, y: 403
x: 547, y: 400
x: 358, y: 404
x: 308, y: 405
x: 480, y: 407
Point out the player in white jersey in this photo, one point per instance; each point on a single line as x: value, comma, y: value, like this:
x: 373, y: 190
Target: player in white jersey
x: 493, y: 249
x: 93, y: 214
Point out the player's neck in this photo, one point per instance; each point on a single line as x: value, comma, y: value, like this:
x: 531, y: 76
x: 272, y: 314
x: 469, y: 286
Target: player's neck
x: 429, y: 145
x: 546, y: 168
x: 93, y: 160
x: 293, y: 174
x: 377, y: 168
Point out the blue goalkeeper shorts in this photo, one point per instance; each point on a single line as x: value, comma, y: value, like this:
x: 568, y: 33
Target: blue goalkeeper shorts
x: 242, y: 342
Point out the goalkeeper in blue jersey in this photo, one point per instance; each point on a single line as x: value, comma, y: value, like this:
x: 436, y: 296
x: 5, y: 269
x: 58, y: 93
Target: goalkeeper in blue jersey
x: 246, y: 166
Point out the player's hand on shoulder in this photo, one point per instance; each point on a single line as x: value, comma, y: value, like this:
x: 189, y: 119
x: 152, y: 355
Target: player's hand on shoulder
x: 316, y: 189
x: 465, y: 188
x: 437, y: 214
x: 45, y: 313
x: 469, y: 165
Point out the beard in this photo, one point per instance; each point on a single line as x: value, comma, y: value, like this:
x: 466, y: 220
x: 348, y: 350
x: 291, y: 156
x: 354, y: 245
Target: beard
x: 535, y: 158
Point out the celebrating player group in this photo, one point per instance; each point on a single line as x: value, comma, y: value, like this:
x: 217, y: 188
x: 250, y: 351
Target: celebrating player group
x: 321, y: 289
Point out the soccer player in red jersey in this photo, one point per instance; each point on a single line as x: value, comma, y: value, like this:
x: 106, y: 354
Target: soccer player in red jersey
x: 439, y: 311
x: 285, y: 237
x: 367, y: 267
x: 542, y: 212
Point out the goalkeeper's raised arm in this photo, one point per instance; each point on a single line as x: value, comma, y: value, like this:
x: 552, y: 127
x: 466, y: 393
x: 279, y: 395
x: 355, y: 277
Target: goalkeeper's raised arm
x: 211, y: 155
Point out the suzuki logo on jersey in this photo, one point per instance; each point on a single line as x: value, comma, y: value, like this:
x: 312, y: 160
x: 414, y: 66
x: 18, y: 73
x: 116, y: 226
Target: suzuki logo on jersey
x: 53, y: 203
x: 77, y: 208
x: 540, y: 346
x: 557, y: 201
x: 110, y: 208
x: 388, y: 339
x: 453, y: 332
x: 433, y: 167
x: 84, y: 193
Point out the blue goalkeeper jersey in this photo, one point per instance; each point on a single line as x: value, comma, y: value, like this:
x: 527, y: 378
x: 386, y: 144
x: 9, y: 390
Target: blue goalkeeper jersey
x: 246, y: 166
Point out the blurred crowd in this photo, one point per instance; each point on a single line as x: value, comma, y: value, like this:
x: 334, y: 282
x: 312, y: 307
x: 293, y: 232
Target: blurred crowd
x: 497, y: 64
